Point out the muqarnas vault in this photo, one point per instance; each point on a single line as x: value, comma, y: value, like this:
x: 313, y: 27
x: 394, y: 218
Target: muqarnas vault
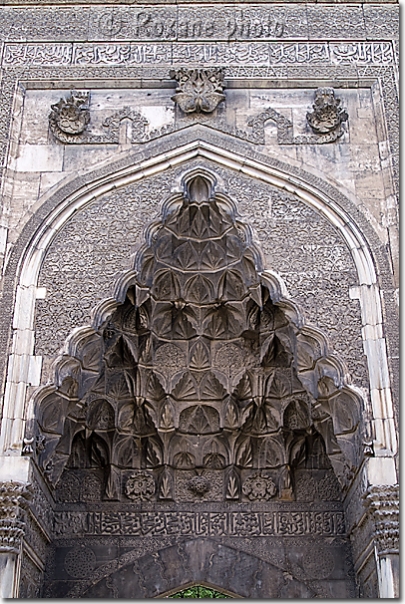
x: 199, y: 248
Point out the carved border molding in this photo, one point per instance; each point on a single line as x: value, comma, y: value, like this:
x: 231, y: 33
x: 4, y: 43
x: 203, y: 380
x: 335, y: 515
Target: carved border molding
x: 288, y: 524
x: 176, y: 22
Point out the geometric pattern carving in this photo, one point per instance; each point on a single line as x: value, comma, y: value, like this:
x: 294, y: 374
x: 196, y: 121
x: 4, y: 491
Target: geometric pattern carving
x: 198, y: 378
x: 79, y: 562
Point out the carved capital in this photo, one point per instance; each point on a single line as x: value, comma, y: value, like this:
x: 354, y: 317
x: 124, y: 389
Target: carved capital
x: 198, y: 89
x: 13, y: 498
x: 383, y: 504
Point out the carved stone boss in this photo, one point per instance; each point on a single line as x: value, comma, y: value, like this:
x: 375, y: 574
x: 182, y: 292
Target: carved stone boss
x: 327, y: 116
x: 198, y: 89
x: 70, y: 117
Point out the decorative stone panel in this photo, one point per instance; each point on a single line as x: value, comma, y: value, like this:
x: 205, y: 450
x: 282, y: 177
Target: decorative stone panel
x: 298, y: 243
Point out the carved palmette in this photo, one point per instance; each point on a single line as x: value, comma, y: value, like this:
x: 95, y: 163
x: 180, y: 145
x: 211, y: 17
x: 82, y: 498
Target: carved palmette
x: 194, y: 380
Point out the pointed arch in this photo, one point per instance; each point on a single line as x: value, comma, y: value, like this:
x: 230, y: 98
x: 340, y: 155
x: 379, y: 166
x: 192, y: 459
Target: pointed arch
x: 279, y: 176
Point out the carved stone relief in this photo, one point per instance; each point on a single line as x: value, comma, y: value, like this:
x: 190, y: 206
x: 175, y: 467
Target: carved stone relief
x: 327, y: 116
x: 13, y: 501
x: 70, y: 117
x: 383, y: 505
x: 297, y: 243
x: 199, y: 92
x: 313, y: 570
x: 198, y: 89
x: 197, y: 379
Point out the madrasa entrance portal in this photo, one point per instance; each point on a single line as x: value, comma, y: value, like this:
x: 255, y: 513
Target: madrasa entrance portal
x: 198, y: 435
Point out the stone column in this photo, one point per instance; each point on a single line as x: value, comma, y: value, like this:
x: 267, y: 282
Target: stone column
x: 383, y: 505
x: 12, y: 500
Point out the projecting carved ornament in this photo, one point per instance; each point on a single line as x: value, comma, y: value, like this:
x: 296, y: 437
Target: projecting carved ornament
x: 140, y: 486
x: 13, y: 500
x: 198, y: 89
x: 70, y: 117
x: 327, y: 116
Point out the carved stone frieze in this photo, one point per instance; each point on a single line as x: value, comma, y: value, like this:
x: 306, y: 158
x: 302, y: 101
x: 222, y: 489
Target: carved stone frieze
x: 198, y: 89
x: 140, y: 132
x: 238, y: 522
x: 209, y: 54
x: 70, y: 117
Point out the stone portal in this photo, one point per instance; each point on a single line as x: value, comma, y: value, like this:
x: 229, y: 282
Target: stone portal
x: 198, y: 435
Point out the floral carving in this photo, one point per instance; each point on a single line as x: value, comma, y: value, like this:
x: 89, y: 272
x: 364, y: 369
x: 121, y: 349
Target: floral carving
x: 140, y: 486
x: 259, y: 488
x: 198, y: 89
x: 69, y: 117
x: 198, y: 485
x: 327, y: 115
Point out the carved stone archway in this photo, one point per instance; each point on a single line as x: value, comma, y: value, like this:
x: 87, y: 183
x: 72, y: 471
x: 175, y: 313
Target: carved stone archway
x: 198, y: 347
x: 203, y: 397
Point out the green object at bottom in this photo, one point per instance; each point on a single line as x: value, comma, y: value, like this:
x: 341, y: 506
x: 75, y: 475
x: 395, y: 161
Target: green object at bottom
x: 198, y: 591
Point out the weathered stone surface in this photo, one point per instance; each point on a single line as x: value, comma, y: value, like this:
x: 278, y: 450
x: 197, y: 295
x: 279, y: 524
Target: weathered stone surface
x: 178, y: 416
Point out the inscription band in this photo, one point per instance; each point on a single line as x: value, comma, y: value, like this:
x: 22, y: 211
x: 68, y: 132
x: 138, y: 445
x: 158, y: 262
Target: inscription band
x: 238, y: 53
x: 285, y: 524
